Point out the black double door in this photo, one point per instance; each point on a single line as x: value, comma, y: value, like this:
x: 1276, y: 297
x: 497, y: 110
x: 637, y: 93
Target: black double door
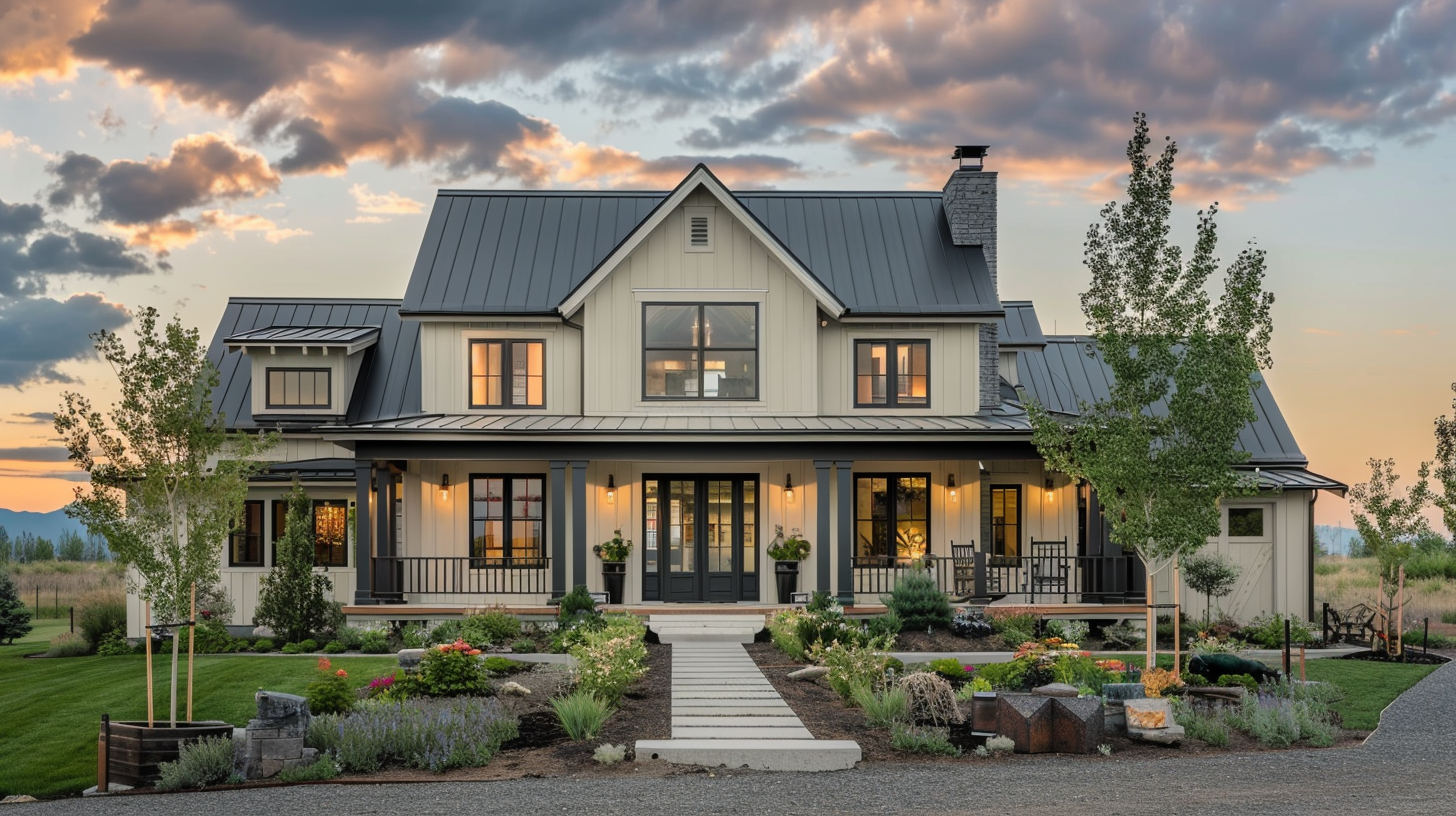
x: 701, y: 538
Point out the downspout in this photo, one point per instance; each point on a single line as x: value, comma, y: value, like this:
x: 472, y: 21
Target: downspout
x: 1313, y: 549
x: 581, y: 365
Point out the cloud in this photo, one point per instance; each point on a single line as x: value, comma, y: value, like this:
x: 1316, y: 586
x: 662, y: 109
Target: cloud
x: 277, y: 235
x: 34, y: 454
x: 19, y: 220
x: 111, y: 122
x: 611, y: 167
x: 390, y: 202
x: 32, y: 253
x: 38, y: 333
x: 201, y: 169
x: 35, y: 418
x: 367, y: 219
x: 35, y: 36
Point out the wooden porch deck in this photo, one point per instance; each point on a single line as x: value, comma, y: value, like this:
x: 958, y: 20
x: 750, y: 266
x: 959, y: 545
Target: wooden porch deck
x: 445, y: 611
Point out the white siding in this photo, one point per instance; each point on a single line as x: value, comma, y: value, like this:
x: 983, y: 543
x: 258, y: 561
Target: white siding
x: 445, y: 367
x: 341, y: 380
x: 954, y: 360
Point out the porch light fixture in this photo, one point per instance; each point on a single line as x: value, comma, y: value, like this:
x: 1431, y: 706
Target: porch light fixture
x: 950, y: 485
x: 1049, y: 494
x: 445, y: 487
x: 611, y: 489
x: 789, y: 488
x: 982, y: 466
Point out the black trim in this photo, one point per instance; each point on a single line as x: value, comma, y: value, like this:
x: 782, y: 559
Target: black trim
x: 509, y: 559
x: 702, y: 584
x: 892, y: 373
x: 991, y: 539
x: 891, y: 518
x: 251, y: 535
x: 507, y: 348
x: 278, y: 518
x: 268, y: 388
x: 700, y: 348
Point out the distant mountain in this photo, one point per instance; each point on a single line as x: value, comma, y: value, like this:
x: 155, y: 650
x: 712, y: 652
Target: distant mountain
x: 1337, y: 540
x: 41, y: 525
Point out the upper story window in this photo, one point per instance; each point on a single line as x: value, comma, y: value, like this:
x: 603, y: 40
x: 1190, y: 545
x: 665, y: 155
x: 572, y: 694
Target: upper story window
x: 891, y: 373
x: 700, y: 351
x: 507, y: 374
x: 299, y: 388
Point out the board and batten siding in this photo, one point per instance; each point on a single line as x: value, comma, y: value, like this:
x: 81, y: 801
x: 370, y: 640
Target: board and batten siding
x: 342, y: 370
x: 445, y: 364
x: 954, y: 361
x: 738, y: 270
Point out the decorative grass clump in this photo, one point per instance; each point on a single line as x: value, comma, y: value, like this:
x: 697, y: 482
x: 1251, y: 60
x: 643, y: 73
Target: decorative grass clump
x: 582, y: 715
x: 883, y: 708
x: 917, y: 740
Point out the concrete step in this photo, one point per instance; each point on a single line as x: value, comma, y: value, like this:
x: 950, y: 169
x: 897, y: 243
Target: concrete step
x: 808, y: 755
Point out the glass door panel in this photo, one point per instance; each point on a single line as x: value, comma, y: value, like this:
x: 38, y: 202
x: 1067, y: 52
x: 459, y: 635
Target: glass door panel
x: 720, y: 526
x: 682, y: 515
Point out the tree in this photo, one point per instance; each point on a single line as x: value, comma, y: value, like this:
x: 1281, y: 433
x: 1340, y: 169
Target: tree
x: 1390, y: 521
x: 1445, y: 469
x: 41, y: 549
x: 293, y: 600
x: 71, y: 547
x: 14, y: 617
x: 1212, y: 574
x: 1161, y: 449
x: 167, y: 479
x: 4, y: 546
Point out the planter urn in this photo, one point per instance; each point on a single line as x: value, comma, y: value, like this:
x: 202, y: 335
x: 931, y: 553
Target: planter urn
x: 787, y: 575
x: 614, y: 578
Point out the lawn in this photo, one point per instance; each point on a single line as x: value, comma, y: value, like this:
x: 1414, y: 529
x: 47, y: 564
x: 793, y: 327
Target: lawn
x: 52, y: 708
x: 1369, y: 686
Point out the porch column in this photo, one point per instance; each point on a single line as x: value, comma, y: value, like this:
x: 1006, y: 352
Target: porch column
x: 845, y: 586
x: 383, y: 514
x: 363, y: 473
x: 558, y: 528
x: 578, y: 523
x: 821, y: 506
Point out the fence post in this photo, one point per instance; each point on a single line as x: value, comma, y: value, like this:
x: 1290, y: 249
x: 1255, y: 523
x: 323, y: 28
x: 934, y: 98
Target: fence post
x: 73, y: 620
x: 1286, y: 648
x: 1325, y: 623
x: 103, y: 756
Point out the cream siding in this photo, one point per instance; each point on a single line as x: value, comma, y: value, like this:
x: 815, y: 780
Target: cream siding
x: 341, y: 378
x: 954, y: 360
x: 445, y: 366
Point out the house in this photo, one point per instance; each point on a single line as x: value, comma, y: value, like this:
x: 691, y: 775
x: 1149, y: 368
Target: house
x: 699, y: 369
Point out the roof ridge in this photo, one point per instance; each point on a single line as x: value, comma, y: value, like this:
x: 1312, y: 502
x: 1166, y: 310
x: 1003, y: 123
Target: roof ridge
x: 263, y: 299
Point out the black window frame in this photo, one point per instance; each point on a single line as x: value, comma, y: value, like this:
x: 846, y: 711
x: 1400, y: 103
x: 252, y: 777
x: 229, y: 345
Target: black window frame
x: 283, y: 406
x: 508, y: 560
x: 507, y: 345
x: 892, y: 373
x: 1018, y: 523
x: 278, y: 519
x: 343, y: 547
x: 1263, y: 512
x: 892, y: 518
x: 700, y: 348
x: 245, y: 534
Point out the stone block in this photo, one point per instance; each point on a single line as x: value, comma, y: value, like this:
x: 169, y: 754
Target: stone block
x: 1077, y: 725
x: 809, y: 673
x: 1123, y: 691
x: 1055, y: 690
x: 269, y: 768
x: 1026, y: 720
x: 514, y: 689
x: 409, y: 658
x: 242, y: 753
x: 1150, y: 713
x: 282, y: 749
x: 275, y: 705
x: 1172, y: 735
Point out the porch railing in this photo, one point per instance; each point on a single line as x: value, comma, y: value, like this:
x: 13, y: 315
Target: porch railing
x: 1039, y: 578
x: 395, y: 576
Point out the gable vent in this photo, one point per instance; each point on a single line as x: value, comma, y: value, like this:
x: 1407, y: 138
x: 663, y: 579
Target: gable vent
x: 699, y: 222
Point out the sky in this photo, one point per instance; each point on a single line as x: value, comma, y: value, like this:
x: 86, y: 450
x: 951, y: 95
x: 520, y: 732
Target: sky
x: 173, y: 153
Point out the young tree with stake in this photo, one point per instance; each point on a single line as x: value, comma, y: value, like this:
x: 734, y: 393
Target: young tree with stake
x: 1161, y: 449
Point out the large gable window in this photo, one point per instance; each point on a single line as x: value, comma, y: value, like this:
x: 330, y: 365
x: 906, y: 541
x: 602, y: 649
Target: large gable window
x: 507, y: 521
x: 299, y: 388
x: 700, y: 351
x: 507, y: 374
x: 892, y: 373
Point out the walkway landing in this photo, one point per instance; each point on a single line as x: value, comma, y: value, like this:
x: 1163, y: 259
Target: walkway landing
x: 725, y: 712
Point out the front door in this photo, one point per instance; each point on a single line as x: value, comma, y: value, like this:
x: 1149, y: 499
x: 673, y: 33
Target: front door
x: 701, y: 538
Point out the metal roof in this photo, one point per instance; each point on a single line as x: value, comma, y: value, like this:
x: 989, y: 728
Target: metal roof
x: 309, y: 470
x: 1297, y: 479
x: 389, y: 379
x: 1020, y: 327
x: 798, y: 426
x: 510, y: 252
x: 1063, y: 375
x: 304, y: 336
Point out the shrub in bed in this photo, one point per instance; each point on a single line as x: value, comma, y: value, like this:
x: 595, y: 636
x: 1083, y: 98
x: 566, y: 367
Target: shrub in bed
x: 492, y: 626
x: 330, y: 692
x: 99, y: 613
x: 918, y: 602
x: 418, y: 733
x: 207, y: 761
x: 453, y: 670
x: 922, y: 740
x: 882, y: 708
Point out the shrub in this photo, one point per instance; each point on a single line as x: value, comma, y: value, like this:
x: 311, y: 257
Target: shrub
x: 996, y: 746
x: 918, y: 740
x: 882, y: 708
x: 414, y: 636
x: 448, y: 632
x: 1004, y: 676
x: 886, y: 624
x: 263, y: 645
x: 293, y: 600
x: 352, y: 637
x: 575, y: 604
x: 211, y: 637
x: 503, y: 665
x: 1268, y: 631
x: 1072, y: 631
x: 1448, y: 617
x: 330, y: 692
x: 968, y: 691
x: 14, y: 617
x: 608, y: 754
x: 322, y: 769
x: 374, y: 641
x: 1122, y: 636
x: 931, y: 699
x: 1245, y: 680
x: 207, y: 761
x: 68, y: 644
x: 114, y: 643
x: 609, y: 663
x: 1283, y: 713
x: 1434, y: 640
x: 523, y: 646
x: 1209, y: 728
x: 1157, y: 682
x: 453, y: 670
x: 492, y: 626
x: 783, y: 630
x: 581, y: 714
x: 99, y: 613
x: 1014, y: 627
x: 1440, y: 564
x: 918, y: 601
x: 434, y: 734
x: 951, y: 669
x: 851, y: 665
x: 333, y: 647
x: 1326, y: 568
x: 302, y: 647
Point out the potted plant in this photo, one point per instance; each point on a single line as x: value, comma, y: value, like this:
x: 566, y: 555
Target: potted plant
x: 787, y: 552
x: 614, y: 564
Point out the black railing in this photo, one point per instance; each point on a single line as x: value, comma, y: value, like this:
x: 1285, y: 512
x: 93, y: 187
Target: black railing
x: 395, y: 576
x: 878, y: 574
x: 1040, y: 578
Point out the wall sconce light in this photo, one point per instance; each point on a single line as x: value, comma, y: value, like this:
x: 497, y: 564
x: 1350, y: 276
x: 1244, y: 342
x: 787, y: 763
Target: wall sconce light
x: 950, y: 485
x: 611, y: 489
x: 789, y: 488
x: 982, y: 466
x: 445, y: 487
x: 1049, y: 485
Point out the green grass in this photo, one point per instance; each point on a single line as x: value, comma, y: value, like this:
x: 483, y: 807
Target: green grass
x: 1369, y: 687
x: 58, y: 703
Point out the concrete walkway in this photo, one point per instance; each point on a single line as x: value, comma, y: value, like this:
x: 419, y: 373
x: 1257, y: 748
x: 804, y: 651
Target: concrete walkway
x: 725, y: 712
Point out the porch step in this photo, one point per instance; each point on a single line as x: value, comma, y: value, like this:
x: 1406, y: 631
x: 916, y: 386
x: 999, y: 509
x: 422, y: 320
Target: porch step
x: 726, y: 628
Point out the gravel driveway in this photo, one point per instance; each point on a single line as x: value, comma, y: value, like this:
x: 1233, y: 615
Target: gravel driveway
x: 1406, y: 767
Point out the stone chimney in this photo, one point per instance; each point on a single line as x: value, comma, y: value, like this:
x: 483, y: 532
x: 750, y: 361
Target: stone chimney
x: 970, y: 210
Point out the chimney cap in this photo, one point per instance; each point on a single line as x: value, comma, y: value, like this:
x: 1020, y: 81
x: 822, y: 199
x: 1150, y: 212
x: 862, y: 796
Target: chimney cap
x: 970, y: 153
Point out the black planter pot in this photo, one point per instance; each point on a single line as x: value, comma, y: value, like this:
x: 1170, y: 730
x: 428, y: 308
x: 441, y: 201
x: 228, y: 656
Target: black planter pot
x: 787, y: 573
x: 614, y: 577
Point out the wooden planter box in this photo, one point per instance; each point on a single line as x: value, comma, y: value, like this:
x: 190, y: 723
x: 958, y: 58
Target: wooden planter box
x: 135, y: 749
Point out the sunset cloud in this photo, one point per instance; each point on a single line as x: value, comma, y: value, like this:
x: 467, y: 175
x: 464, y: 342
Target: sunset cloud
x: 38, y: 334
x: 391, y: 203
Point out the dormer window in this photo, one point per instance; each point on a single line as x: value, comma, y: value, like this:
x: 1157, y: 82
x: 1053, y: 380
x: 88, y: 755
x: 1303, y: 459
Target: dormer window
x: 301, y: 388
x: 507, y: 374
x: 698, y: 221
x: 892, y: 373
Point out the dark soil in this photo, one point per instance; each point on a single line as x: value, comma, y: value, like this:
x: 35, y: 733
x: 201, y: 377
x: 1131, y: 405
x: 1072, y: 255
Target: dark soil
x: 942, y: 640
x: 1411, y: 656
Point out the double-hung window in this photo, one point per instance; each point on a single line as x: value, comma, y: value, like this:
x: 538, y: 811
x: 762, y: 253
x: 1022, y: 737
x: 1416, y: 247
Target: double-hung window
x: 245, y: 543
x: 700, y: 351
x: 507, y: 374
x: 892, y: 373
x: 507, y: 521
x: 891, y: 517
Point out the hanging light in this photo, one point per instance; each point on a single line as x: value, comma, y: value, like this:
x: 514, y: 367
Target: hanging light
x: 789, y: 488
x: 445, y: 487
x: 950, y: 485
x: 1050, y: 496
x: 611, y: 489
